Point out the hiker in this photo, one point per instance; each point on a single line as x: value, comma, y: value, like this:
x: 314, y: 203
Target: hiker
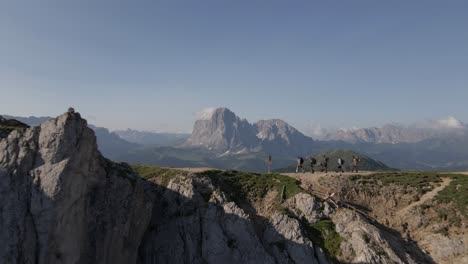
x: 300, y: 163
x: 313, y: 162
x: 269, y: 162
x: 340, y: 165
x: 324, y: 164
x: 355, y: 164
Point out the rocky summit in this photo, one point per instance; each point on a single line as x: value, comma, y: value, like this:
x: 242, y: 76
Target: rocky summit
x: 62, y: 202
x: 222, y: 130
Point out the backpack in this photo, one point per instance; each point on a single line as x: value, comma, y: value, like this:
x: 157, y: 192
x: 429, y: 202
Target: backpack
x: 301, y: 160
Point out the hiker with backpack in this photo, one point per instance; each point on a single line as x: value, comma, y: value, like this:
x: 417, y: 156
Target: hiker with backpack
x: 269, y: 162
x: 324, y: 164
x: 340, y: 165
x: 313, y: 162
x: 300, y: 164
x: 355, y: 164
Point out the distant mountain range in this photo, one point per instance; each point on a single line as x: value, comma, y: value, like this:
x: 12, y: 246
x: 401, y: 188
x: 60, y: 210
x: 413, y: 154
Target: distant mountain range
x: 394, y: 134
x: 31, y: 121
x: 7, y: 125
x: 223, y: 140
x: 146, y: 138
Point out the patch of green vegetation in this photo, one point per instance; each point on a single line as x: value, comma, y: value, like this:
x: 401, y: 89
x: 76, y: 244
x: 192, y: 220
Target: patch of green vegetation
x: 9, y: 129
x: 245, y: 185
x: 324, y: 234
x: 421, y: 181
x: 456, y: 193
x: 163, y: 175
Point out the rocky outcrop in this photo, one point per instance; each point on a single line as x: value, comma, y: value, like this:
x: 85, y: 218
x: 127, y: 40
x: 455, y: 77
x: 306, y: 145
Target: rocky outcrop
x: 196, y: 223
x: 110, y: 144
x: 366, y: 243
x: 61, y: 202
x: 309, y: 207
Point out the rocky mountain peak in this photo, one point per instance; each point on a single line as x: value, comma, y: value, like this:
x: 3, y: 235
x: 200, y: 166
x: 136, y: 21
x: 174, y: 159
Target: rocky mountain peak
x: 220, y: 129
x: 275, y: 129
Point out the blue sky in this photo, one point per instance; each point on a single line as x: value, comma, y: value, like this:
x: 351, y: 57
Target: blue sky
x: 153, y: 64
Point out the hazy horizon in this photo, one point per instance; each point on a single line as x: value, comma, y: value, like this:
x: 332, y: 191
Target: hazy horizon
x: 313, y: 130
x: 153, y: 65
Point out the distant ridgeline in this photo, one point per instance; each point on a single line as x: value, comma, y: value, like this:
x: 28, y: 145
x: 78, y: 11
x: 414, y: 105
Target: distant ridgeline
x: 8, y: 125
x: 366, y: 163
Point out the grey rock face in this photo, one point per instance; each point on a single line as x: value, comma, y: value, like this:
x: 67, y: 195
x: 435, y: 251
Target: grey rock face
x: 191, y: 229
x: 295, y: 249
x: 109, y: 143
x: 222, y: 131
x: 307, y: 206
x: 277, y: 136
x: 61, y: 202
x: 365, y: 243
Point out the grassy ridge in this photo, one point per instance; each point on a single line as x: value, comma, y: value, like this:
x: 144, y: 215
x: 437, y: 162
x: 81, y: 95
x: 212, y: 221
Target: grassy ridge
x: 419, y: 180
x: 456, y: 193
x: 160, y: 174
x: 253, y: 186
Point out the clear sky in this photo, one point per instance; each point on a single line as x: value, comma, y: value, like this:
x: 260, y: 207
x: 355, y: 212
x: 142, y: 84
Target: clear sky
x: 153, y: 64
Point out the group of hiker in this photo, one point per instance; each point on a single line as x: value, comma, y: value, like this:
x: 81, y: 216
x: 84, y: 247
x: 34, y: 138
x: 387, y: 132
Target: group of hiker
x: 323, y: 164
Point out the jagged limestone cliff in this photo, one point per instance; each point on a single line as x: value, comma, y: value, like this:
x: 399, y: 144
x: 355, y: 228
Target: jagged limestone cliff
x: 62, y: 202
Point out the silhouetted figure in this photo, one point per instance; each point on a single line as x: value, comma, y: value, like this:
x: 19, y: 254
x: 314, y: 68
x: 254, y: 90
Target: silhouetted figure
x: 324, y: 164
x: 313, y: 162
x: 355, y: 164
x: 269, y: 162
x: 300, y: 164
x: 71, y: 110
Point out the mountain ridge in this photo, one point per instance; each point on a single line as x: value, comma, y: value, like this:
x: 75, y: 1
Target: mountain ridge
x: 223, y: 131
x: 395, y: 133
